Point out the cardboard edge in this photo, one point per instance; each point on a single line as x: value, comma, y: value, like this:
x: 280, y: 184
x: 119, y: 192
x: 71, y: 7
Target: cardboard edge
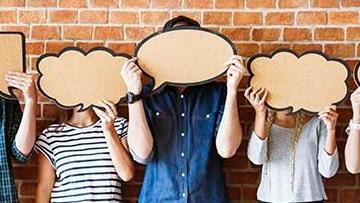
x: 232, y: 45
x: 11, y: 89
x: 328, y: 58
x: 355, y: 76
x: 73, y: 48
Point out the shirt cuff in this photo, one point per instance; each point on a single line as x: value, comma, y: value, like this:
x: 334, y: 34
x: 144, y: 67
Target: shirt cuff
x: 18, y: 155
x: 255, y: 139
x: 140, y: 160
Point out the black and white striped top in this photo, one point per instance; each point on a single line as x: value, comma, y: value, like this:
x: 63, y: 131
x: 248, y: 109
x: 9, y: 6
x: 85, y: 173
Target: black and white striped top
x: 81, y: 159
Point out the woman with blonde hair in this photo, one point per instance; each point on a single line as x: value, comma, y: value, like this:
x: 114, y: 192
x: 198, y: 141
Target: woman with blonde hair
x: 294, y: 151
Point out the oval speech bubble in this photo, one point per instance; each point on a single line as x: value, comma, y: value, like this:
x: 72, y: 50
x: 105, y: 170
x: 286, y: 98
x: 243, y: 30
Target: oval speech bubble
x: 184, y: 55
x: 76, y: 78
x: 12, y: 54
x: 308, y: 82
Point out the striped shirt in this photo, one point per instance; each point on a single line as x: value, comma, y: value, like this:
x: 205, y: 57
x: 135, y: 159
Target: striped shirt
x: 82, y: 162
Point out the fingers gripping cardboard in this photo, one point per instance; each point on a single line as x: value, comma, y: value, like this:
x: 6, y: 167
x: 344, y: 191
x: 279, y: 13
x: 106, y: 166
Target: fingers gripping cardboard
x: 184, y: 56
x: 75, y: 78
x: 308, y: 82
x: 12, y: 53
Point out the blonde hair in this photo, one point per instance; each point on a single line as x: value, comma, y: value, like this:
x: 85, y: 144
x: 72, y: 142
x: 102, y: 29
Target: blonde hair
x: 299, y: 123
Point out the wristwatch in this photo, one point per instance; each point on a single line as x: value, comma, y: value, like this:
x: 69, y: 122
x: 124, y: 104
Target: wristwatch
x: 353, y: 125
x: 132, y: 98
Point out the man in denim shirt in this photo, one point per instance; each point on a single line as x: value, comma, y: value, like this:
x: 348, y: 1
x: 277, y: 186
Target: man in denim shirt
x: 189, y: 131
x: 17, y: 132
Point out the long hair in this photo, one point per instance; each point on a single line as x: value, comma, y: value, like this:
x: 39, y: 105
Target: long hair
x: 299, y: 123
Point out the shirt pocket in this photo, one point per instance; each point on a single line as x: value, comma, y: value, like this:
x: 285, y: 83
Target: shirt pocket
x: 205, y: 126
x: 162, y: 126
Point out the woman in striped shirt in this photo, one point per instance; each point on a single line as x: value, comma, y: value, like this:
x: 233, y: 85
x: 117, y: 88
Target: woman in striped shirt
x: 84, y: 158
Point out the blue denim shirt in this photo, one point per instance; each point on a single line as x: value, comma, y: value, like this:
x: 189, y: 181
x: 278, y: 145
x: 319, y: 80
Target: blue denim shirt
x: 185, y: 165
x: 10, y: 118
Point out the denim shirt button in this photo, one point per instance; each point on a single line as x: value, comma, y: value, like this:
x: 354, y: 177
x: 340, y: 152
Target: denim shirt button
x: 182, y: 96
x: 182, y: 154
x: 183, y: 174
x: 183, y: 194
x: 182, y: 134
x: 208, y: 116
x: 157, y: 113
x: 182, y: 114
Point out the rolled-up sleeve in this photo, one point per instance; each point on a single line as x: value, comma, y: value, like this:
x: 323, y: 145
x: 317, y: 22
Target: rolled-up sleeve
x: 257, y: 149
x: 18, y: 155
x: 140, y: 160
x: 328, y: 164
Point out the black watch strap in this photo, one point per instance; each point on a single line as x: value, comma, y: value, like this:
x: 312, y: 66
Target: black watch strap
x: 132, y: 98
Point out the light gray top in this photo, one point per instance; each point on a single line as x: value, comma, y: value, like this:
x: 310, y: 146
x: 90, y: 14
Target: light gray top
x: 311, y: 161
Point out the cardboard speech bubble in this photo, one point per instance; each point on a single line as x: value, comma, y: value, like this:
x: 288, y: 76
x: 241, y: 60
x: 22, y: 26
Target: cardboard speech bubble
x: 299, y: 82
x: 356, y: 74
x: 12, y: 54
x: 76, y: 78
x: 184, y: 56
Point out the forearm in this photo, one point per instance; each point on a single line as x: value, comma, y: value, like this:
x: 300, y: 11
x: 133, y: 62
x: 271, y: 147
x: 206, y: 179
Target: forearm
x: 260, y: 125
x: 139, y: 135
x: 120, y: 156
x: 352, y: 148
x: 230, y: 134
x: 26, y: 134
x: 43, y: 193
x: 330, y: 145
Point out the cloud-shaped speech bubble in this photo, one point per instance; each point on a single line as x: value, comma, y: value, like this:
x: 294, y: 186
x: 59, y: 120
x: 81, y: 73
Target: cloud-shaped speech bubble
x: 12, y: 54
x: 184, y: 55
x: 308, y: 82
x: 77, y: 78
x: 356, y: 74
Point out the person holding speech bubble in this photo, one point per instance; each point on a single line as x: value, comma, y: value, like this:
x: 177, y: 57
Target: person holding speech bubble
x: 352, y: 148
x: 295, y: 151
x: 18, y: 131
x: 183, y: 133
x: 85, y: 157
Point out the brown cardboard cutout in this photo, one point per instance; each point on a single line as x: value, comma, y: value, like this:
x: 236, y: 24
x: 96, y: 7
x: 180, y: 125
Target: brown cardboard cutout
x: 12, y: 54
x: 74, y: 78
x: 308, y: 82
x: 184, y: 55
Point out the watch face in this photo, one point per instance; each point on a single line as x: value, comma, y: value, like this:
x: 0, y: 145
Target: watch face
x: 130, y: 97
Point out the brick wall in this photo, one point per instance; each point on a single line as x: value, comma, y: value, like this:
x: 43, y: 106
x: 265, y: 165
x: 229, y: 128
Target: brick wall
x: 255, y: 26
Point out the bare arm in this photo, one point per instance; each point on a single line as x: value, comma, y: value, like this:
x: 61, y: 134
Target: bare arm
x: 230, y: 134
x: 139, y: 135
x: 118, y: 150
x: 329, y: 116
x: 46, y: 180
x: 26, y: 134
x: 352, y: 147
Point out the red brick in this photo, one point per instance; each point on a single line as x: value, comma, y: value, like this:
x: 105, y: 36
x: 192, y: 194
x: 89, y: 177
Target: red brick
x: 41, y: 3
x: 12, y: 3
x: 350, y: 3
x: 7, y: 16
x: 63, y: 16
x: 217, y: 18
x: 325, y: 3
x: 127, y: 48
x: 86, y: 46
x: 166, y: 4
x: 27, y: 189
x: 17, y: 28
x: 198, y: 3
x: 45, y: 32
x: 237, y: 34
x: 277, y: 18
x: 260, y: 3
x: 243, y: 177
x: 349, y: 195
x: 32, y: 16
x: 93, y: 16
x: 77, y: 32
x: 300, y: 48
x: 109, y: 32
x: 124, y: 17
x: 229, y: 4
x: 150, y: 17
x: 266, y: 34
x: 297, y: 34
x: 135, y: 4
x: 54, y: 47
x: 293, y: 3
x: 247, y: 49
x: 349, y: 17
x: 330, y: 34
x: 193, y: 15
x: 73, y: 3
x: 104, y: 3
x: 310, y: 18
x: 138, y: 33
x: 35, y: 48
x: 269, y: 48
x: 340, y: 50
x: 247, y: 18
x: 353, y: 33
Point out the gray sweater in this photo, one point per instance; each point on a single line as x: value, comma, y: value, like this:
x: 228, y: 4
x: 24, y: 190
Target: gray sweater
x: 311, y: 161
